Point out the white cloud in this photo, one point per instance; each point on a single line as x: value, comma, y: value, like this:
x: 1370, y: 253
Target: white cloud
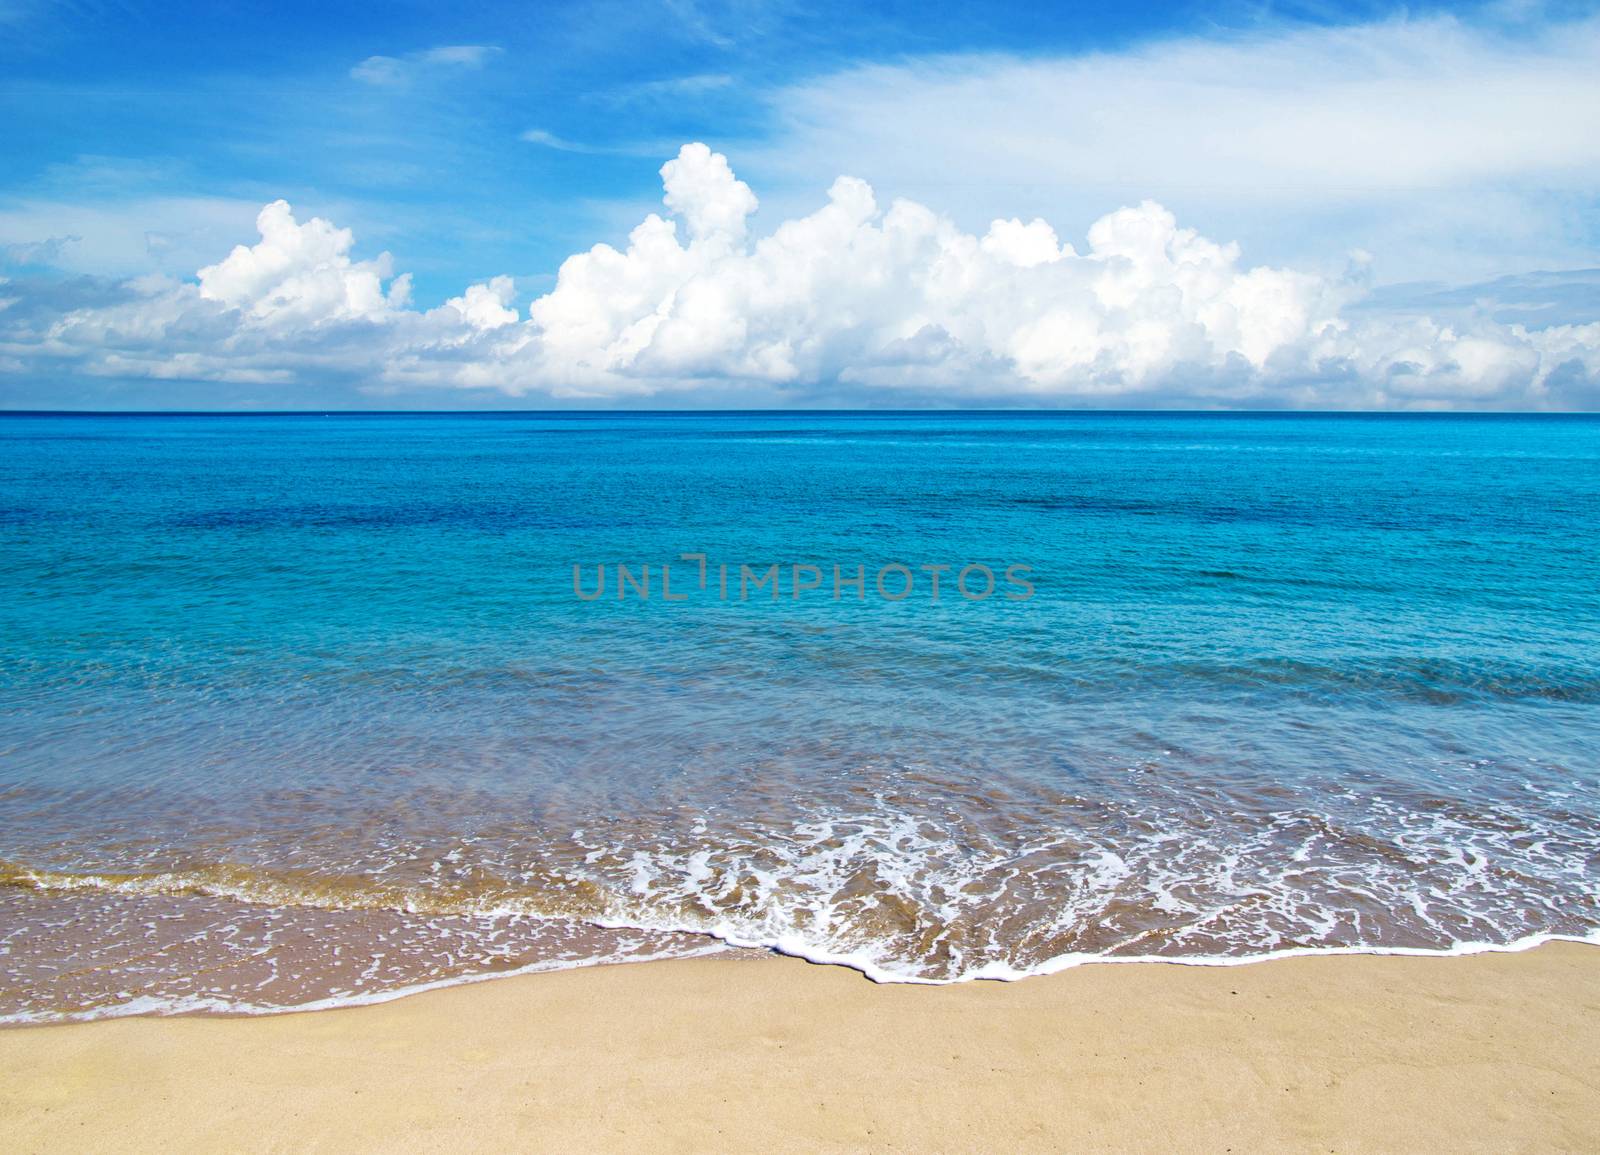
x: 851, y: 301
x: 41, y: 252
x: 303, y: 274
x: 702, y: 190
x: 560, y: 144
x: 547, y: 139
x: 1451, y: 151
x: 128, y: 237
x: 469, y: 55
x: 487, y: 306
x: 393, y: 71
x: 674, y: 88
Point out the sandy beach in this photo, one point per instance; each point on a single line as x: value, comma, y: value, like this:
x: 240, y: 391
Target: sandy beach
x: 1352, y: 1053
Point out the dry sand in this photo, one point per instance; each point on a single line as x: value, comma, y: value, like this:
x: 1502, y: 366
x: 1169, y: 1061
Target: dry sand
x: 1493, y: 1052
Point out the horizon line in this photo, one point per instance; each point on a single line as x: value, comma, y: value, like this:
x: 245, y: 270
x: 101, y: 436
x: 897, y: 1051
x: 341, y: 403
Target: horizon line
x: 798, y: 410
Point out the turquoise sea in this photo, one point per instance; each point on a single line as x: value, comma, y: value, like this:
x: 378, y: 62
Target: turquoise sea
x: 300, y: 709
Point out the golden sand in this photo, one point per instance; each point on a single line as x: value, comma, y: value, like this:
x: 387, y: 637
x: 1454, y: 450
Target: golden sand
x: 1492, y: 1052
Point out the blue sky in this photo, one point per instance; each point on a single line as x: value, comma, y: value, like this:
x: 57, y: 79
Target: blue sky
x: 110, y: 105
x: 480, y: 141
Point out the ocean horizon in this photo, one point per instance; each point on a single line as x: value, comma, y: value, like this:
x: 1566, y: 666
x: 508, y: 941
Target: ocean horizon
x: 306, y: 709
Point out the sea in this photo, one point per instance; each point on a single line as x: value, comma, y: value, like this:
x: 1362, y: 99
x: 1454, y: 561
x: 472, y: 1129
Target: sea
x: 304, y: 710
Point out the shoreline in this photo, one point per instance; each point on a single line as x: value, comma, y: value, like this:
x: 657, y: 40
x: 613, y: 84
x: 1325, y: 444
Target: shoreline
x: 729, y: 949
x: 1355, y: 1052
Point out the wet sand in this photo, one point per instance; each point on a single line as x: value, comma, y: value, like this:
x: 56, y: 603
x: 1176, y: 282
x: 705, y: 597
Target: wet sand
x: 1491, y: 1052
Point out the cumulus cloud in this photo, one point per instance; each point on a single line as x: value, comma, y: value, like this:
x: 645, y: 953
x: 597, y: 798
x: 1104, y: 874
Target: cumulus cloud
x: 487, y: 306
x: 303, y: 274
x: 854, y: 300
x: 702, y: 190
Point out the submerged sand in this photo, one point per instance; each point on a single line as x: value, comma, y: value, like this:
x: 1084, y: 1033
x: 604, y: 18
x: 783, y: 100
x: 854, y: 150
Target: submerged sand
x: 1491, y: 1052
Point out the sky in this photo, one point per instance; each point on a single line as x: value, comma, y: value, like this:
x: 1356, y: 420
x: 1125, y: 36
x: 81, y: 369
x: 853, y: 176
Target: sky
x: 665, y: 204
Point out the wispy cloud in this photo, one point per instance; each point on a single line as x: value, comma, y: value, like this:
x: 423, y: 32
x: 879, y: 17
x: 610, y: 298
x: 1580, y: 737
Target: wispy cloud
x: 1449, y: 150
x: 697, y: 22
x: 546, y: 139
x: 551, y: 140
x: 673, y: 88
x: 126, y: 237
x: 45, y: 252
x: 396, y: 71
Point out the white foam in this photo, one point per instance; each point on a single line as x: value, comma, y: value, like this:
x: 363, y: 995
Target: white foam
x: 928, y: 896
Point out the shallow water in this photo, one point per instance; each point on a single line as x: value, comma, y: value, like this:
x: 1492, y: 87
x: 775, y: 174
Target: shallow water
x: 303, y: 708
